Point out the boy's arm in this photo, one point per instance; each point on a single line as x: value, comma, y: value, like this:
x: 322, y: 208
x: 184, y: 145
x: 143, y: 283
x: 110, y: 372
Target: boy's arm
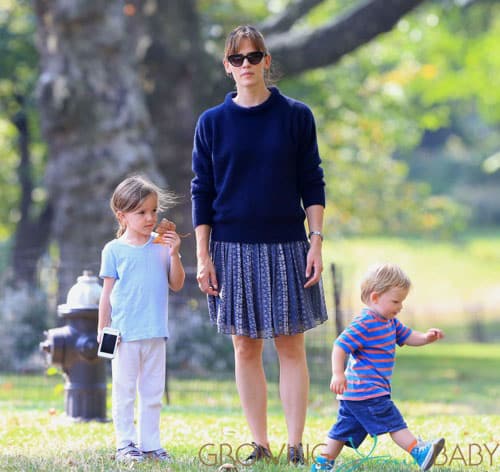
x: 105, y: 306
x: 416, y: 338
x: 338, y: 384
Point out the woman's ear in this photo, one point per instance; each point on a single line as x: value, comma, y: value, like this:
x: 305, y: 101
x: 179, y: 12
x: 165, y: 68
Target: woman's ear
x: 267, y: 61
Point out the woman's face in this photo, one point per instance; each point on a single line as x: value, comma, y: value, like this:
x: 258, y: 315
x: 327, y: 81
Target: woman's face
x: 248, y: 75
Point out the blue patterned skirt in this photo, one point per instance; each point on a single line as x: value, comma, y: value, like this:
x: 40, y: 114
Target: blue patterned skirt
x: 261, y: 290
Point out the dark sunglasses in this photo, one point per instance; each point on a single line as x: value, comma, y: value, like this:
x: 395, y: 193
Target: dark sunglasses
x: 253, y: 58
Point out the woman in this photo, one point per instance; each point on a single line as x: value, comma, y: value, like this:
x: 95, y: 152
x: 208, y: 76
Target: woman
x: 256, y: 167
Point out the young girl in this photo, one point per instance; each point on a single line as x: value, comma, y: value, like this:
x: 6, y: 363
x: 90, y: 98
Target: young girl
x: 364, y: 388
x: 257, y: 178
x: 136, y: 274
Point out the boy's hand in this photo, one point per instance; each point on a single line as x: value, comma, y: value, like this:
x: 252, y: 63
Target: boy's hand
x: 433, y: 334
x: 338, y: 384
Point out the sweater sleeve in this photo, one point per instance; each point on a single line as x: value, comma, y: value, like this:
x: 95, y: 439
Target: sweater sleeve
x: 312, y: 184
x: 202, y: 185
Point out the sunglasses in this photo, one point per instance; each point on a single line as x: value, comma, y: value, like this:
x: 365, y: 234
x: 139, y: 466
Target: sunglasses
x: 253, y: 58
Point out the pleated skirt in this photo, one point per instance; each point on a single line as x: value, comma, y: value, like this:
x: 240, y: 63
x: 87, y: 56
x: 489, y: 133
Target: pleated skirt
x: 261, y: 290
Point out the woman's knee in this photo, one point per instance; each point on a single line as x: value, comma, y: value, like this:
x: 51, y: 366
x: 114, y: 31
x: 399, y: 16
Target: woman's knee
x: 247, y: 349
x: 291, y: 348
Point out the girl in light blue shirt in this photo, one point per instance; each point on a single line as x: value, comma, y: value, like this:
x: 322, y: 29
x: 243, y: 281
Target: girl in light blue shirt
x: 137, y: 273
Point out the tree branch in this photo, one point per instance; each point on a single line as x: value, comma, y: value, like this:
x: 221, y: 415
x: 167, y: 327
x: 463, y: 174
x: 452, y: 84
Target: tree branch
x: 298, y: 52
x: 284, y: 20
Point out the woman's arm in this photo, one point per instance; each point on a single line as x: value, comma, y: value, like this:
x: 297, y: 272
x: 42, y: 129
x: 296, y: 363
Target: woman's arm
x: 314, y: 265
x: 207, y: 279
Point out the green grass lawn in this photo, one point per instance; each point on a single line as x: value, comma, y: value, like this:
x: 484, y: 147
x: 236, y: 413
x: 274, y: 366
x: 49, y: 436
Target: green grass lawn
x: 443, y: 390
x: 453, y: 282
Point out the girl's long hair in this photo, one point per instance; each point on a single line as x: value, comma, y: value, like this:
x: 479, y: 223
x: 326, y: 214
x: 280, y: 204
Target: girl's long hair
x: 131, y: 192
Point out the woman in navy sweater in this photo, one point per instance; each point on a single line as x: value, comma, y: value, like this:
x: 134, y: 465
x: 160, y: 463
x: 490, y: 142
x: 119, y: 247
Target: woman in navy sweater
x: 257, y: 177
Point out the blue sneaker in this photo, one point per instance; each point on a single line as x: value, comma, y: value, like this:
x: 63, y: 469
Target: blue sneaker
x: 425, y: 452
x: 322, y: 463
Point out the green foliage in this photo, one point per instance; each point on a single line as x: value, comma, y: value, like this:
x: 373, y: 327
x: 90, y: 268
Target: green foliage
x: 23, y: 317
x: 379, y: 102
x: 372, y: 110
x: 18, y: 75
x: 451, y: 282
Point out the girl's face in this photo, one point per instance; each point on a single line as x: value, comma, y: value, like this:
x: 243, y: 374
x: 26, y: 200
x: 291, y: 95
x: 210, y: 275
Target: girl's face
x: 141, y: 221
x: 390, y: 303
x: 248, y: 75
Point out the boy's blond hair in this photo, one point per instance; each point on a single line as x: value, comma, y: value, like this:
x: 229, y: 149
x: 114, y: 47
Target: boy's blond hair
x: 383, y: 277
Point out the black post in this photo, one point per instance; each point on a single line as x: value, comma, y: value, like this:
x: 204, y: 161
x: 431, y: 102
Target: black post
x: 337, y: 297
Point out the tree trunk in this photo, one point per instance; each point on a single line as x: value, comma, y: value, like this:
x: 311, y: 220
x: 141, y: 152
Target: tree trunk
x: 32, y: 231
x: 178, y: 78
x: 121, y: 89
x: 95, y: 121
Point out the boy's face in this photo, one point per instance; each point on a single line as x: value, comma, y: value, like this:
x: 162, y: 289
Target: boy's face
x: 390, y: 303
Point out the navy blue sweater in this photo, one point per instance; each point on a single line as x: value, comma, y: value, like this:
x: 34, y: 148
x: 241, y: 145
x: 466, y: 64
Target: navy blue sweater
x: 255, y: 170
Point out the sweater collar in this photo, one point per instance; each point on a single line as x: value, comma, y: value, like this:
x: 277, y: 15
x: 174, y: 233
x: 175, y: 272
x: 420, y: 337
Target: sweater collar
x: 272, y: 99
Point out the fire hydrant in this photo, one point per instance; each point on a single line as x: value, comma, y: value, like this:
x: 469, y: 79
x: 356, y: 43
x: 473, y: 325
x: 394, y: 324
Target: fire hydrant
x: 74, y: 348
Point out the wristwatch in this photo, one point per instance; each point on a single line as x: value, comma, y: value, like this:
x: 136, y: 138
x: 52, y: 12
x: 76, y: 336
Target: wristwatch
x: 316, y: 233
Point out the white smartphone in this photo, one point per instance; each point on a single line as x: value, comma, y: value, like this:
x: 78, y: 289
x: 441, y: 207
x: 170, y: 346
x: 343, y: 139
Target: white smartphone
x: 109, y: 343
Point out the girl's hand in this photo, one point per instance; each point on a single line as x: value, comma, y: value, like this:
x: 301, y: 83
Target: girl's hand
x: 172, y: 240
x: 338, y: 384
x: 314, y: 263
x: 433, y: 334
x: 207, y: 280
x: 99, y: 337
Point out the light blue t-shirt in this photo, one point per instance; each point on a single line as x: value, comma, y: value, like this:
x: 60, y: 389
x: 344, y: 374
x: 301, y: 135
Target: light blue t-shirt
x: 139, y: 299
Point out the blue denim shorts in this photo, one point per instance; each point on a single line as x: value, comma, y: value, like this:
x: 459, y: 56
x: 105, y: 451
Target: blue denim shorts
x: 374, y: 416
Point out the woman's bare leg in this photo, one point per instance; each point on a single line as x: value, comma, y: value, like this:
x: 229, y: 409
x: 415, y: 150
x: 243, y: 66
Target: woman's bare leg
x: 294, y: 384
x: 252, y: 386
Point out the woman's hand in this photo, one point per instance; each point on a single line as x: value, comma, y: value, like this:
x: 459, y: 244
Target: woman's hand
x: 207, y: 280
x: 314, y: 263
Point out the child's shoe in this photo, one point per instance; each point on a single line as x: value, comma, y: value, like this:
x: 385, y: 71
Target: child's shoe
x: 129, y: 454
x: 322, y: 463
x: 425, y: 452
x: 158, y: 455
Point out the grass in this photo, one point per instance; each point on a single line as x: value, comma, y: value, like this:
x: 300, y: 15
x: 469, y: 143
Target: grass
x: 455, y: 284
x: 442, y: 389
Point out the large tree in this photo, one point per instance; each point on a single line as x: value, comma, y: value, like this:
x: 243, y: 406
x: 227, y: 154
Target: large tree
x: 121, y: 87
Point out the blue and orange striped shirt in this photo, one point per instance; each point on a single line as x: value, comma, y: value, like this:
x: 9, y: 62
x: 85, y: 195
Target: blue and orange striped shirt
x: 371, y: 342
